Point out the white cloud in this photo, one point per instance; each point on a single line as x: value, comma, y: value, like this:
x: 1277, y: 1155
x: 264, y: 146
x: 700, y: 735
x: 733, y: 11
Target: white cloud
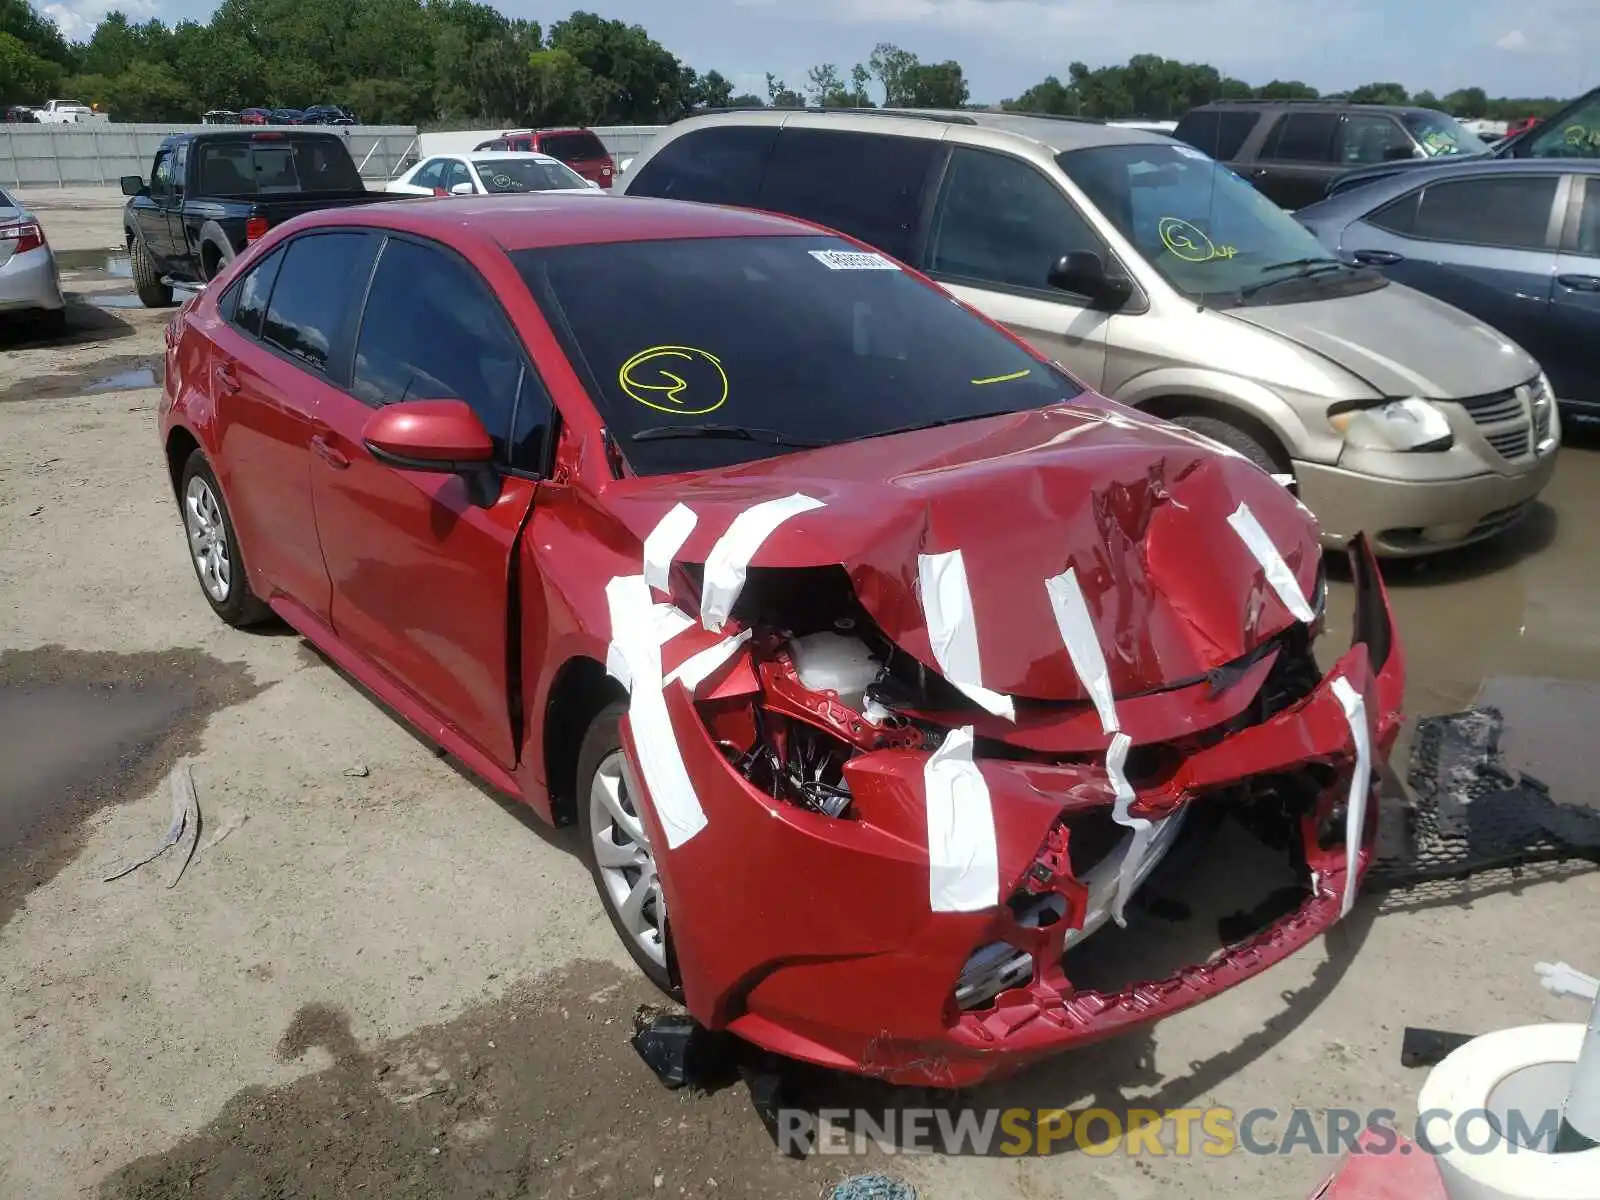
x: 77, y: 18
x: 1514, y: 40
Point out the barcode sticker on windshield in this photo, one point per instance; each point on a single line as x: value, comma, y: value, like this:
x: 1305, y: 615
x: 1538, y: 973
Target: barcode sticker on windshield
x: 1189, y: 152
x: 852, y: 260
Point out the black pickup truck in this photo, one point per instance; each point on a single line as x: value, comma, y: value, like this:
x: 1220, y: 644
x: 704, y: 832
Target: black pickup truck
x: 210, y: 194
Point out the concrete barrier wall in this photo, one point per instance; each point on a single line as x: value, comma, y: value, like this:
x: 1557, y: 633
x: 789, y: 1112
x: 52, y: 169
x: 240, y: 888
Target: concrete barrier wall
x: 55, y: 156
x: 624, y: 141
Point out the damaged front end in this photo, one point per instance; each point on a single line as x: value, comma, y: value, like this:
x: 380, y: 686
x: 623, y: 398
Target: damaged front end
x: 822, y: 910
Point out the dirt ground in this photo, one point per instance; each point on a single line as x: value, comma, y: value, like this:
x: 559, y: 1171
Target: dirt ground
x: 385, y: 982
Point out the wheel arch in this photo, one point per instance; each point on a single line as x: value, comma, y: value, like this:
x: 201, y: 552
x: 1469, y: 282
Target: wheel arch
x: 578, y: 694
x: 1171, y: 406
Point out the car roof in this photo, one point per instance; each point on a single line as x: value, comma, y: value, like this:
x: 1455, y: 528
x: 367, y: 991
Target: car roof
x: 530, y: 220
x: 1057, y: 133
x: 507, y: 155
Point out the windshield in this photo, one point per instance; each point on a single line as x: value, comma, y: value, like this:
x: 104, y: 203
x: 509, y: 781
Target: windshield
x: 799, y: 340
x: 526, y: 175
x: 265, y: 167
x: 1208, y: 232
x: 1441, y: 135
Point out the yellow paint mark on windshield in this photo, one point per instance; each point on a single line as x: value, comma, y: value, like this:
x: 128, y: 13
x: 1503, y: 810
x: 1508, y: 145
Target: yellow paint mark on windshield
x: 1022, y: 374
x: 1190, y: 243
x: 645, y: 378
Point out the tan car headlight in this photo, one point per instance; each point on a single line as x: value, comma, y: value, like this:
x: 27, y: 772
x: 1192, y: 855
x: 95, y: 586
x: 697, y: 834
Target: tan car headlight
x: 1406, y: 425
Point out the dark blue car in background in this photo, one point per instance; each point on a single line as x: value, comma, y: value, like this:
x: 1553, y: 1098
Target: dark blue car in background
x: 1515, y: 242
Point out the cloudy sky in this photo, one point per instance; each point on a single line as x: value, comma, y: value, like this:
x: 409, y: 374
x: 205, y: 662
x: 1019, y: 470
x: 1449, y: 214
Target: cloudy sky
x: 1510, y: 47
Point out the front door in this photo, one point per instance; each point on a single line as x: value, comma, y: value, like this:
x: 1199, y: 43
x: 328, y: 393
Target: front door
x: 287, y: 331
x: 999, y: 226
x: 153, y: 217
x: 421, y: 572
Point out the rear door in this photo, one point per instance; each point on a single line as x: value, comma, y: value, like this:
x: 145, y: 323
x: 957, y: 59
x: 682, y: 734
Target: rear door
x: 582, y: 151
x: 1571, y: 363
x: 717, y: 164
x: 1297, y: 158
x: 287, y: 327
x: 999, y: 225
x: 422, y: 575
x: 1484, y: 243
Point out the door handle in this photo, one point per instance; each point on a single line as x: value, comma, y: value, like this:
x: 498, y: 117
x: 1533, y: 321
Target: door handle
x: 328, y: 454
x: 1378, y: 258
x: 1579, y: 283
x: 226, y: 379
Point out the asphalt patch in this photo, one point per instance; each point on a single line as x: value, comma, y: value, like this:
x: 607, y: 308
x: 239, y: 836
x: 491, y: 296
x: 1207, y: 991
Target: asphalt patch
x: 81, y: 730
x: 538, y: 1094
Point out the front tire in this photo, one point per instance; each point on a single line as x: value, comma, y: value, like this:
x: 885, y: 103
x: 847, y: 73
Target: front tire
x: 146, y: 279
x: 214, y: 547
x: 616, y: 845
x: 1234, y: 438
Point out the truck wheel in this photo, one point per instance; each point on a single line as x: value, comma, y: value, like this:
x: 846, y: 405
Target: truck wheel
x: 146, y: 279
x: 616, y: 845
x: 216, y: 259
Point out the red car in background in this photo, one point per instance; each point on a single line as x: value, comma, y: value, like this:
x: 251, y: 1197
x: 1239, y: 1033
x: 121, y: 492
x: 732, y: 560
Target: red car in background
x: 878, y: 661
x: 580, y: 149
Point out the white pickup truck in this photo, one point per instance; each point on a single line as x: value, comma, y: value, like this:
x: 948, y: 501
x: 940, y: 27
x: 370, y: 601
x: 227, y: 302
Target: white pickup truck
x: 66, y: 112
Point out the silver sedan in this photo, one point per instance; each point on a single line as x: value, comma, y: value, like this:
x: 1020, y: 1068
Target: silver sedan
x: 30, y: 284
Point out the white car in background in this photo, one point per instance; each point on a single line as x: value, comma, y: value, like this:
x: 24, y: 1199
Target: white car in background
x: 489, y: 172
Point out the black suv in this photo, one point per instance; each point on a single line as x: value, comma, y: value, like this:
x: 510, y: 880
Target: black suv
x: 1291, y: 149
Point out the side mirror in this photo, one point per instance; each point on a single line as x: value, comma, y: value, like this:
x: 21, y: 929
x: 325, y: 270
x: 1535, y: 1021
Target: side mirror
x: 441, y: 437
x: 1084, y: 273
x: 464, y: 188
x: 133, y: 185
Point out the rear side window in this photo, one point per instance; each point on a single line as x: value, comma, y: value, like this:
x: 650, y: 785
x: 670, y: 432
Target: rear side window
x: 720, y: 165
x: 1302, y: 137
x: 318, y: 287
x: 1220, y: 133
x: 271, y: 167
x: 1510, y: 212
x: 253, y: 291
x: 568, y: 146
x: 867, y: 185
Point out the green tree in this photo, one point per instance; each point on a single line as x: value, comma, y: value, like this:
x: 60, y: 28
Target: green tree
x: 935, y: 85
x: 637, y: 80
x: 1426, y: 99
x: 746, y: 100
x: 1470, y: 103
x: 891, y: 67
x: 1380, y: 93
x: 710, y: 90
x: 25, y: 77
x: 1049, y: 96
x: 378, y: 101
x: 826, y: 88
x: 1291, y: 89
x: 38, y: 35
x: 779, y: 94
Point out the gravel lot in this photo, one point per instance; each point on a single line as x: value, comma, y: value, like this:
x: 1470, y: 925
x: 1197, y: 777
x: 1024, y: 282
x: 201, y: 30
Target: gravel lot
x: 388, y: 983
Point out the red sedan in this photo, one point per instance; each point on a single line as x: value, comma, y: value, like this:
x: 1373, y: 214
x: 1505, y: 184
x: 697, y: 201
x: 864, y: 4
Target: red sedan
x: 879, y: 662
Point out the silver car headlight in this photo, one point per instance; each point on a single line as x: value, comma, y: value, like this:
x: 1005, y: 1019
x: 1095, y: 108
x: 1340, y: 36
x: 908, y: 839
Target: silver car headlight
x: 1413, y: 424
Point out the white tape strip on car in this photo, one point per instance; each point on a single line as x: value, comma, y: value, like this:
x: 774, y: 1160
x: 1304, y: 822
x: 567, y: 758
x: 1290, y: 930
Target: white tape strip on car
x: 729, y: 559
x: 666, y: 622
x: 1277, y: 571
x: 963, y: 859
x: 1355, y: 713
x: 952, y: 632
x: 637, y: 633
x: 664, y: 542
x: 697, y: 668
x: 1089, y: 661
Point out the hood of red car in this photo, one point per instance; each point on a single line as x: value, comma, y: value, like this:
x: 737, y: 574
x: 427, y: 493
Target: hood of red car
x: 1138, y: 507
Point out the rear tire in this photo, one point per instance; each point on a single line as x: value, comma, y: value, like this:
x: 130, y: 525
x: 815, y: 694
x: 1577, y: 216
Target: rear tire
x: 146, y: 279
x: 616, y: 845
x: 1234, y: 438
x: 214, y: 547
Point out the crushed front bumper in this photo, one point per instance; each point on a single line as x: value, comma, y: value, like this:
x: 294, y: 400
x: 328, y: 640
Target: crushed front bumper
x: 814, y: 937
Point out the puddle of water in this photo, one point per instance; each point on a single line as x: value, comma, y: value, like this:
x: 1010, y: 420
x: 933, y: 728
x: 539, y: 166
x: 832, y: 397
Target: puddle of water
x: 1549, y: 730
x: 115, y: 300
x: 110, y: 262
x: 79, y: 730
x: 122, y: 381
x: 107, y: 375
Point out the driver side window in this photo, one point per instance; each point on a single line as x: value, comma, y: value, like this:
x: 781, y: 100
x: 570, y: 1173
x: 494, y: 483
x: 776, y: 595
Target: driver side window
x: 161, y: 175
x: 1001, y: 221
x: 1575, y: 136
